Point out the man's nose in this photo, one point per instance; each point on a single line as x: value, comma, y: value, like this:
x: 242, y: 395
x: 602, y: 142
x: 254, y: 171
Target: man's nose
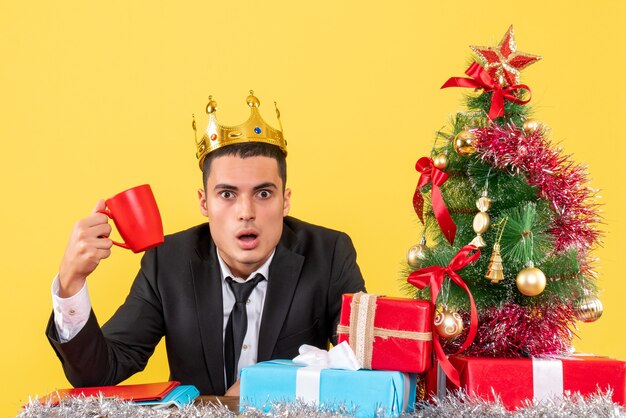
x: 245, y: 209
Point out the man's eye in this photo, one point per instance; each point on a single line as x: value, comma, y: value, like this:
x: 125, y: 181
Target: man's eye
x: 226, y: 194
x: 264, y: 194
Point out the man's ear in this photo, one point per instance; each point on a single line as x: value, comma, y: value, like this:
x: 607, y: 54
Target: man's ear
x: 286, y: 202
x: 202, y: 202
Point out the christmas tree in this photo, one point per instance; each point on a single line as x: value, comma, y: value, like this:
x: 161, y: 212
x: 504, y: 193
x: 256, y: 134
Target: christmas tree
x: 495, y: 181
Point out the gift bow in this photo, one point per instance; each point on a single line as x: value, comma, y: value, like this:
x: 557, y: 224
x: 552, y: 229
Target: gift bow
x: 434, y: 276
x: 480, y: 79
x: 430, y: 173
x: 340, y: 356
x: 308, y: 378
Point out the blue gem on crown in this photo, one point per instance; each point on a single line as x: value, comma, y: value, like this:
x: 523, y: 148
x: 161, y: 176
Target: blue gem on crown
x: 257, y: 130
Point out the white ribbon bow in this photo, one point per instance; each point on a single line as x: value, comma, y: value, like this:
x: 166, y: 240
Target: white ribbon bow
x: 340, y: 356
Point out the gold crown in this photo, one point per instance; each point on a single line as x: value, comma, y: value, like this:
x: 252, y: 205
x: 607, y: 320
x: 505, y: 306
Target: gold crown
x: 255, y: 129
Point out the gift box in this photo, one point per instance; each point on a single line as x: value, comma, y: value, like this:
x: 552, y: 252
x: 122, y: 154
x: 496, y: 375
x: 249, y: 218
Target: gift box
x: 387, y: 333
x: 369, y: 391
x: 518, y: 380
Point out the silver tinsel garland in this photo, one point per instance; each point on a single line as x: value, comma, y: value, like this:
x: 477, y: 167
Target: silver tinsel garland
x: 455, y: 405
x: 461, y: 405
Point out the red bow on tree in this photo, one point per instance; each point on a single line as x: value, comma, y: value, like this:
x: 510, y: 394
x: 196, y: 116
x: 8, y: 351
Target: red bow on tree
x: 430, y: 173
x: 434, y: 276
x: 482, y: 80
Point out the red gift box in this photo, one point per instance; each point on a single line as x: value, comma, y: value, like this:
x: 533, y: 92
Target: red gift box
x: 518, y: 380
x: 387, y: 333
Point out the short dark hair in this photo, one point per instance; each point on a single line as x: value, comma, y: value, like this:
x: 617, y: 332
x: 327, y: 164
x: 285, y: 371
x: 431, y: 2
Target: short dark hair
x: 245, y: 150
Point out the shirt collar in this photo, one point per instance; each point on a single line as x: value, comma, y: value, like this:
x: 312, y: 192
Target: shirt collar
x: 264, y: 269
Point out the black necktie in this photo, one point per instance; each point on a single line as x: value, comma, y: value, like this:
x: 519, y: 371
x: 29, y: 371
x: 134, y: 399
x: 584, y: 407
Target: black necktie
x: 237, y: 325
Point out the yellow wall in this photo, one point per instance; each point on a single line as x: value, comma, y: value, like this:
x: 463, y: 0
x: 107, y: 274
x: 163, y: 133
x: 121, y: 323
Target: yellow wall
x: 97, y: 97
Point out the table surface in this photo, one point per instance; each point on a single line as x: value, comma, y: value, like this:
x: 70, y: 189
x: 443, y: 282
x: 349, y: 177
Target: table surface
x: 231, y: 402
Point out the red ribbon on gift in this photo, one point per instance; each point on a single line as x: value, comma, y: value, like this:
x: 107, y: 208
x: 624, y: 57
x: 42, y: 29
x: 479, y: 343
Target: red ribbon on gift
x: 480, y: 79
x: 434, y: 276
x: 430, y: 173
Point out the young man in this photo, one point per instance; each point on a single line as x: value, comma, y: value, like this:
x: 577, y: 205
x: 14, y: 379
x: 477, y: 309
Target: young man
x: 250, y: 285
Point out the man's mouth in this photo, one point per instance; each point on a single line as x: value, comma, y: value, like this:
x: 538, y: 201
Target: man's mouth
x: 247, y: 239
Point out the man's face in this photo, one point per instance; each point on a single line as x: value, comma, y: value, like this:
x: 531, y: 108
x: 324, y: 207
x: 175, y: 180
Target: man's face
x: 245, y: 204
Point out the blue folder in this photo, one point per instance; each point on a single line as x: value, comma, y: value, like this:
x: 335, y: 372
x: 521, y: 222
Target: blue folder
x: 180, y: 396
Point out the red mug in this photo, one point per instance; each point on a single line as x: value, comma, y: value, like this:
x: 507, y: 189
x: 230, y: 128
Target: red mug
x: 137, y: 218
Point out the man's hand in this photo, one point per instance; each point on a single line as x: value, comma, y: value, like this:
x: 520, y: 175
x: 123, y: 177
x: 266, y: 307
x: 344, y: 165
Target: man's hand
x: 89, y: 243
x: 233, y: 390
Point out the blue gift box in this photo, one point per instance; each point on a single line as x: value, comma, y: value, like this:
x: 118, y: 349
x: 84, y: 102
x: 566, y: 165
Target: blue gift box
x: 369, y: 391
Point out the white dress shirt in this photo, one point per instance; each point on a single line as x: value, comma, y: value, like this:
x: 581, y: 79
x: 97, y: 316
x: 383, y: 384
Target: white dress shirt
x: 71, y: 314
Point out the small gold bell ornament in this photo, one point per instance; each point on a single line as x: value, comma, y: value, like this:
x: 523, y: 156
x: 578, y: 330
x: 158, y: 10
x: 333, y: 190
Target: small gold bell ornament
x: 495, y: 268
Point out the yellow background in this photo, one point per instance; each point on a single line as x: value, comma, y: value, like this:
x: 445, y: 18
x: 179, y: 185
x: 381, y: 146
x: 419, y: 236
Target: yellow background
x: 97, y: 97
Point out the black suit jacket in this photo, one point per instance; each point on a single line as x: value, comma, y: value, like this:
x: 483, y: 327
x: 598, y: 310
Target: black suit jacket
x: 177, y: 294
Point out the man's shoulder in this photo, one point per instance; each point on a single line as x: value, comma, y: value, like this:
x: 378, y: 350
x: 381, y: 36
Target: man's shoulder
x: 299, y: 226
x: 298, y: 233
x: 186, y: 240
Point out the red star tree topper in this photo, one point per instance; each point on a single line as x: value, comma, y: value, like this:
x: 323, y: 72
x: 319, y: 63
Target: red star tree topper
x: 504, y: 62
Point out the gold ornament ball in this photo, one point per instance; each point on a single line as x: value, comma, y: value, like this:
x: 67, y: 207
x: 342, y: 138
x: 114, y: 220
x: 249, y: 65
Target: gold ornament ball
x: 465, y: 142
x: 441, y: 161
x: 415, y: 255
x: 588, y: 308
x: 531, y: 281
x: 448, y: 324
x: 531, y: 125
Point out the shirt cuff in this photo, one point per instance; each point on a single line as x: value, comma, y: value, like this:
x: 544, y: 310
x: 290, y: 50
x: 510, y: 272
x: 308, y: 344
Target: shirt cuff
x: 70, y: 314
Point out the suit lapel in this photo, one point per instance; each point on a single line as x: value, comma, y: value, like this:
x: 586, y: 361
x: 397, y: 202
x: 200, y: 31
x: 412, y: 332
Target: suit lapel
x: 284, y: 275
x: 208, y: 291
